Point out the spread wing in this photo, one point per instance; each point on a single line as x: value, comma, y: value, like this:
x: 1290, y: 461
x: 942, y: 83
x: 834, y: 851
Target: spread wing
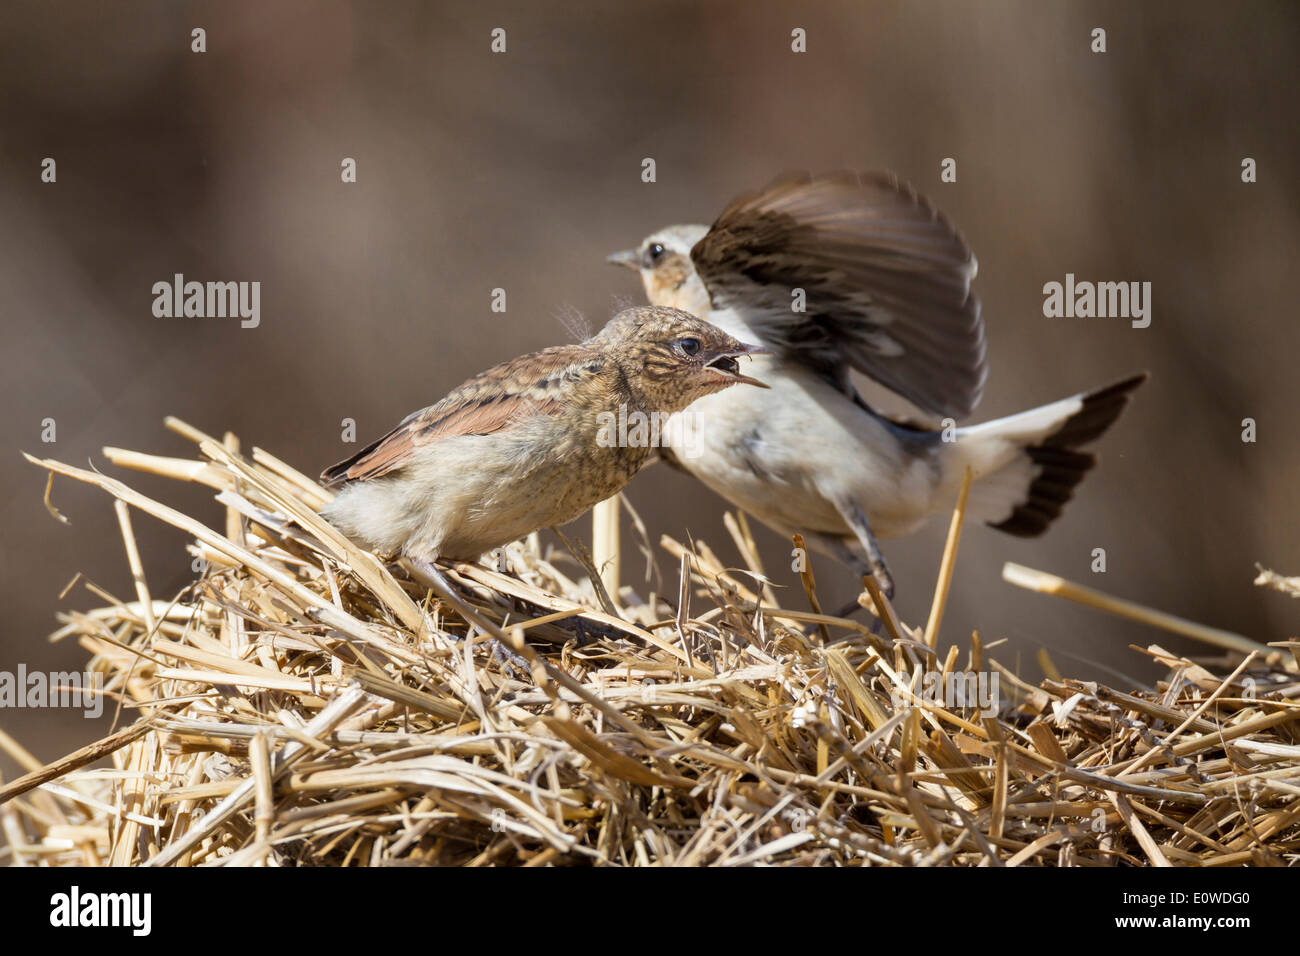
x: 499, y: 398
x: 886, y: 278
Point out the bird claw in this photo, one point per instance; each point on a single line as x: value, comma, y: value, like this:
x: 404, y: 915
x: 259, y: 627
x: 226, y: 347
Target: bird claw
x: 509, y: 660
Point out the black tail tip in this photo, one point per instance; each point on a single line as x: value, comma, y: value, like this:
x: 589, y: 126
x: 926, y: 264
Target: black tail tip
x: 1060, y: 466
x: 1100, y: 410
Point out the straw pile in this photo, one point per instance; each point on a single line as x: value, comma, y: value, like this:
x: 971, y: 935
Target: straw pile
x: 305, y: 703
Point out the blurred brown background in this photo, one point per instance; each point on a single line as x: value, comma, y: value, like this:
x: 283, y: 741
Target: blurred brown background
x: 521, y: 171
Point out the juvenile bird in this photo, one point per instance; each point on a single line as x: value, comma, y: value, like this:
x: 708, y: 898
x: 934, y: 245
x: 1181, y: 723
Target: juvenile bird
x: 530, y: 443
x: 843, y: 272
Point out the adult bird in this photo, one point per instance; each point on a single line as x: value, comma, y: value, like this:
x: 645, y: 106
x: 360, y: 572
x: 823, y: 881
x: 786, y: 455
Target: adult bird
x: 848, y: 271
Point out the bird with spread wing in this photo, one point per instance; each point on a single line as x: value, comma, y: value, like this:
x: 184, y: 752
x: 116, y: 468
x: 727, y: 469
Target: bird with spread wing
x: 843, y: 272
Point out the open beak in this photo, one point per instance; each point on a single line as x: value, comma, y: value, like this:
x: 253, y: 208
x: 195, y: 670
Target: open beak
x: 726, y: 364
x: 628, y: 258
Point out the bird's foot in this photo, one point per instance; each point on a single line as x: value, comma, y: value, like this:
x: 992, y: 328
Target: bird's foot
x: 513, y: 664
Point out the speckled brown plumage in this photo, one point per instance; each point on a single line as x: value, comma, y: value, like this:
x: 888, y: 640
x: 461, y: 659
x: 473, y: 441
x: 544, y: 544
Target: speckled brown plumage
x: 525, y: 445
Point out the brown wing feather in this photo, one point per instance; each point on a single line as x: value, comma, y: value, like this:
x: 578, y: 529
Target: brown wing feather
x: 887, y: 280
x: 491, y: 401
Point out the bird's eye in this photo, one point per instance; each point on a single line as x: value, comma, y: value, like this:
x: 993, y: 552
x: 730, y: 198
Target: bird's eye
x: 689, y: 346
x: 654, y: 252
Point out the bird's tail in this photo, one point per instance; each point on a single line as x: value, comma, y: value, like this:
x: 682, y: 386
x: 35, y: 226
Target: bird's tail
x: 1027, y: 465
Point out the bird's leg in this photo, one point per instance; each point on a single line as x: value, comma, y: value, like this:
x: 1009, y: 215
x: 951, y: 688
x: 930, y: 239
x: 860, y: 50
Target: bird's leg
x: 429, y: 573
x: 848, y: 610
x: 851, y: 559
x: 511, y: 663
x: 876, y: 566
x: 871, y: 561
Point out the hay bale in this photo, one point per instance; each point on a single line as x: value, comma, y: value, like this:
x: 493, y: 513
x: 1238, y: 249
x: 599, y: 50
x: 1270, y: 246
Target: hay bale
x: 304, y: 703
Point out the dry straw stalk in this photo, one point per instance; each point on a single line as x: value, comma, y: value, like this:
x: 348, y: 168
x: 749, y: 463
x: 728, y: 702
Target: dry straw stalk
x: 305, y: 703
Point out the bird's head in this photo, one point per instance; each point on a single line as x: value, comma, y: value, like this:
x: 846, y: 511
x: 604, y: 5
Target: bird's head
x: 672, y: 357
x: 664, y: 261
